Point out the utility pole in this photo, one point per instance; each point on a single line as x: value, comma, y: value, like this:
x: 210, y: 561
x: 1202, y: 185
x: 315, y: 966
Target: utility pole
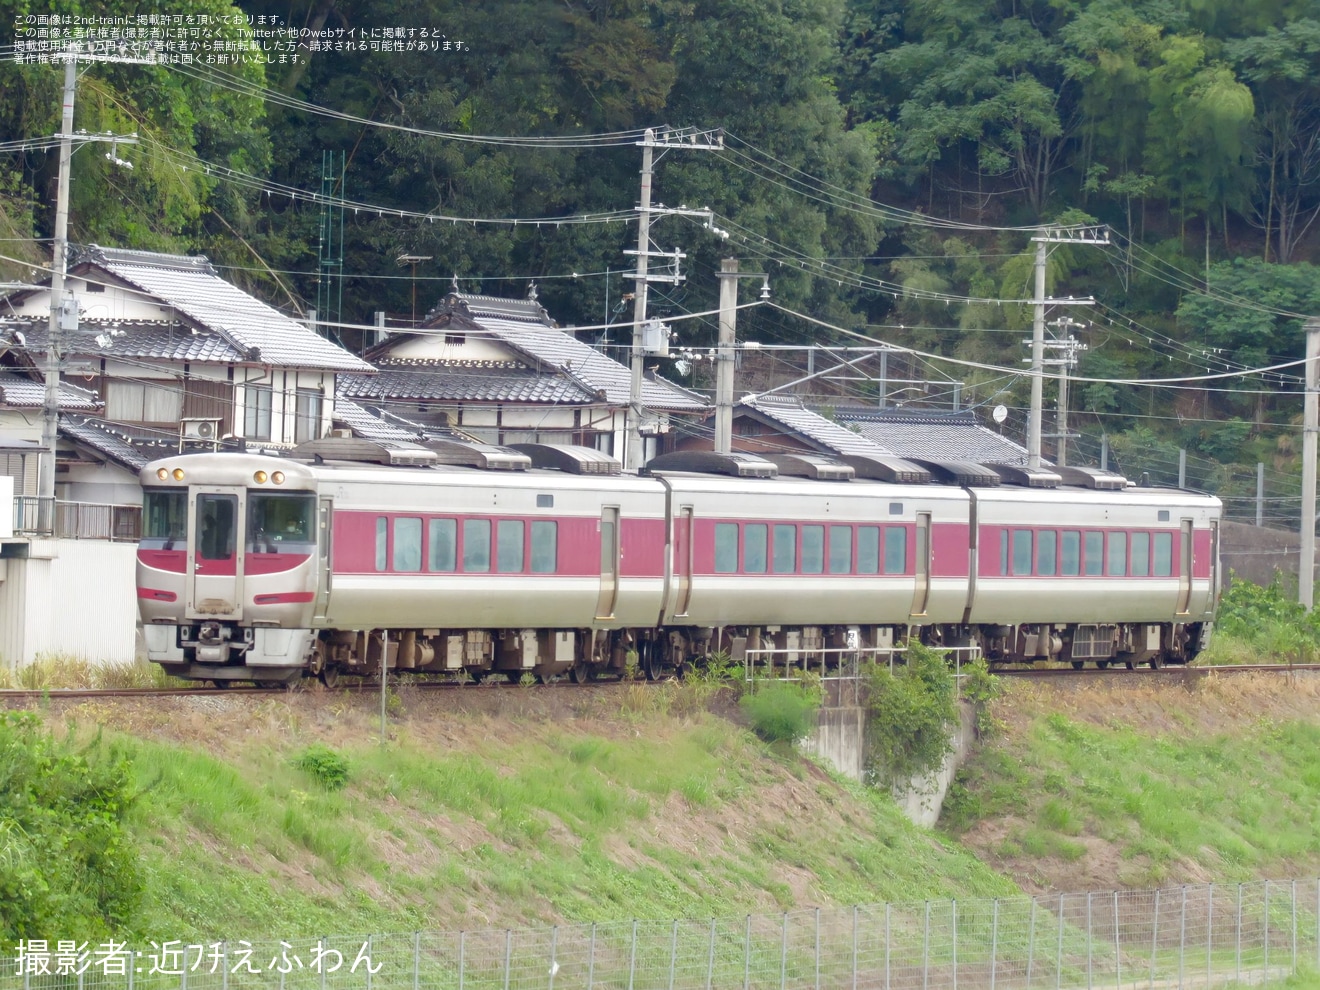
x: 1310, y: 423
x: 1068, y: 348
x: 62, y: 311
x: 1049, y: 235
x: 691, y: 140
x: 724, y: 353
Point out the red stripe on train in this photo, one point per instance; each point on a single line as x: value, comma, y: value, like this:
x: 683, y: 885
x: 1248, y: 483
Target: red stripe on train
x: 156, y: 595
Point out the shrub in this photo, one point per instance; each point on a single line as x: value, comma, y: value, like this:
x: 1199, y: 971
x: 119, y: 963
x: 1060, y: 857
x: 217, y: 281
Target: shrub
x: 780, y: 711
x: 67, y: 862
x: 910, y: 715
x: 323, y: 765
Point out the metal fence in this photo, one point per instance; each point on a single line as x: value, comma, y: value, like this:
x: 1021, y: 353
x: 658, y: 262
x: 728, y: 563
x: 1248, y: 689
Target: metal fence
x: 35, y: 515
x: 1195, y: 936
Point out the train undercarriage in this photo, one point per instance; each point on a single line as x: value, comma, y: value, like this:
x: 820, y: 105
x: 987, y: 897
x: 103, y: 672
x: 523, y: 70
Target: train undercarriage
x: 224, y: 653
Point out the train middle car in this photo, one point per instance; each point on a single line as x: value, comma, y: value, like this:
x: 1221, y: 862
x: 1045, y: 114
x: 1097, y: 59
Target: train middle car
x: 263, y: 568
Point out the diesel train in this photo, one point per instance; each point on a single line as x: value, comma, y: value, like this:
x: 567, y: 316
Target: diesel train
x: 346, y: 554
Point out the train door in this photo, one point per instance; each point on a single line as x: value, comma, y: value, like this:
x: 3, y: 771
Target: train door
x: 683, y: 559
x: 921, y: 592
x: 1185, y: 568
x: 609, y: 562
x: 323, y: 530
x: 215, y: 558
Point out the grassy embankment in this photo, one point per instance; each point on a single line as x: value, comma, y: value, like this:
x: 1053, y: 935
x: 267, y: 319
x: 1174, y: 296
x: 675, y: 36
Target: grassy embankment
x: 495, y: 808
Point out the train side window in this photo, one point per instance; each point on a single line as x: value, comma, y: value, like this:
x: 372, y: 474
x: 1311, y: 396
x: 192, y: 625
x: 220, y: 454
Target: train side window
x: 784, y: 560
x: 476, y: 546
x: 1071, y: 558
x: 1095, y: 553
x: 1140, y: 554
x: 1021, y: 551
x: 509, y: 546
x: 840, y: 549
x: 545, y: 547
x: 382, y: 543
x: 868, y: 549
x: 1117, y: 554
x: 896, y: 549
x: 1163, y: 554
x: 726, y: 548
x: 756, y: 537
x: 1047, y: 544
x: 442, y: 544
x: 813, y: 549
x: 407, y: 544
x: 1003, y: 552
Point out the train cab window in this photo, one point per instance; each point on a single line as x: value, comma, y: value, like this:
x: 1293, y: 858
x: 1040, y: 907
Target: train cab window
x: 407, y: 544
x: 1021, y: 551
x: 216, y: 516
x: 441, y: 544
x: 1163, y: 554
x: 476, y: 546
x: 813, y: 549
x: 281, y: 522
x: 1047, y: 545
x: 896, y: 549
x: 509, y: 546
x: 1070, y: 557
x: 545, y: 547
x: 784, y: 560
x: 840, y: 549
x: 1117, y: 554
x: 868, y: 549
x: 382, y: 543
x: 756, y: 539
x: 1094, y: 561
x: 1140, y: 554
x: 164, y: 520
x: 726, y: 548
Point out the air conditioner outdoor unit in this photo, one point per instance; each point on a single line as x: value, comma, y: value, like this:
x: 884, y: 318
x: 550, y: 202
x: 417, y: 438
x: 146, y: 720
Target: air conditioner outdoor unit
x: 199, y: 429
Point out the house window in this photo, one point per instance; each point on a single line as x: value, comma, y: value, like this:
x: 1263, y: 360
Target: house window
x: 307, y: 422
x: 256, y: 412
x: 143, y: 402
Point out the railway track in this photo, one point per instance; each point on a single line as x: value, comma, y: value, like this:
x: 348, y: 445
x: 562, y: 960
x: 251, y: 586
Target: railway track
x: 1166, y: 672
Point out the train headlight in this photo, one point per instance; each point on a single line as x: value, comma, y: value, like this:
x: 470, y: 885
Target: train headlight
x: 259, y: 477
x: 163, y: 474
x: 178, y: 474
x: 278, y: 477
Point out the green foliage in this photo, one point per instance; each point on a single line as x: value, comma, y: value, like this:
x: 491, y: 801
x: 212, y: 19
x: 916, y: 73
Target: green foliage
x: 910, y: 715
x: 324, y: 765
x: 67, y: 863
x: 1268, y: 621
x: 781, y: 711
x: 981, y: 688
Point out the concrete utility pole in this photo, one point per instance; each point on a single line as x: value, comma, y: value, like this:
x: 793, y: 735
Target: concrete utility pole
x: 62, y: 311
x: 1068, y: 348
x: 1049, y: 235
x: 724, y: 353
x: 1310, y: 423
x: 691, y: 140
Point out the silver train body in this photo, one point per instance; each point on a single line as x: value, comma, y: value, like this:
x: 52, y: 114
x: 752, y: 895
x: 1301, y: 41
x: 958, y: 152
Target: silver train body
x: 268, y: 569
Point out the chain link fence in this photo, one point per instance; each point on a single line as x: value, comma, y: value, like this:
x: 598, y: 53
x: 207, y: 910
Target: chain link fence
x: 1194, y: 936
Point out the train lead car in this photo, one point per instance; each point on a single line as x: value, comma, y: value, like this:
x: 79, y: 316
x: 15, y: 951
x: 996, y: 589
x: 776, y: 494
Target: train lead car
x: 547, y: 560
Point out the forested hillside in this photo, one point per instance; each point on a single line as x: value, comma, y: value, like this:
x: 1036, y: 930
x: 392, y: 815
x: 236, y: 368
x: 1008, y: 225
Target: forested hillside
x: 884, y: 161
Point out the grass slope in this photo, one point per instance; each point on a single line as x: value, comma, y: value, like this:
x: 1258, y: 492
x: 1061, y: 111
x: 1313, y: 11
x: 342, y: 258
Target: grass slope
x: 496, y: 808
x: 1120, y: 783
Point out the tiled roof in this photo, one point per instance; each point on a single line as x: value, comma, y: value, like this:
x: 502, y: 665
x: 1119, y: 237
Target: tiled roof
x: 438, y: 381
x: 101, y: 437
x: 136, y: 339
x: 192, y: 286
x: 366, y: 424
x: 24, y: 393
x: 929, y: 436
x: 524, y: 326
x: 790, y: 415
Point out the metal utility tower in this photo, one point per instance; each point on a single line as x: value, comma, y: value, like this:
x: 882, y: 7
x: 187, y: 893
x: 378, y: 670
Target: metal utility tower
x: 330, y: 246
